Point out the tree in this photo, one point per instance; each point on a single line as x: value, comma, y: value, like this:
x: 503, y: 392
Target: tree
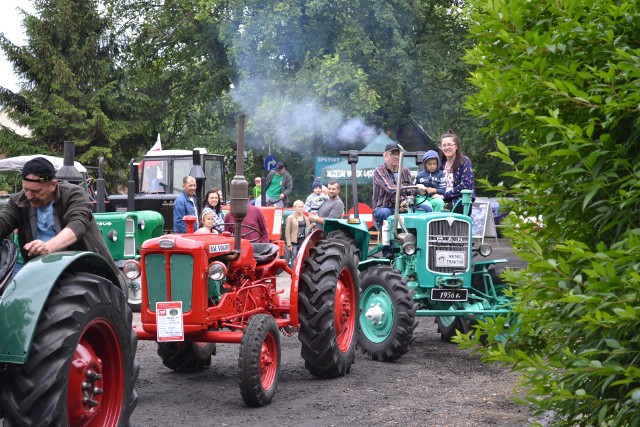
x: 564, y: 77
x: 74, y: 88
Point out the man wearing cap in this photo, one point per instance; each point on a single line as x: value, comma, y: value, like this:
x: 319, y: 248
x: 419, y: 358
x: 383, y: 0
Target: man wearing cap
x: 279, y: 185
x: 385, y: 179
x: 50, y: 216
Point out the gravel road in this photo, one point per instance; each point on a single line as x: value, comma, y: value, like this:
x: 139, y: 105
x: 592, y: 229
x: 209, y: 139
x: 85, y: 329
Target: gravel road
x: 435, y: 384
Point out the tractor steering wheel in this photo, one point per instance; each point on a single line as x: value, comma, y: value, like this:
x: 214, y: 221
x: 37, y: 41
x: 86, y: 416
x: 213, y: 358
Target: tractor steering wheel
x: 246, y: 233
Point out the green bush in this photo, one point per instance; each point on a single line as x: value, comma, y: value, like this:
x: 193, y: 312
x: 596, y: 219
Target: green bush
x: 566, y: 77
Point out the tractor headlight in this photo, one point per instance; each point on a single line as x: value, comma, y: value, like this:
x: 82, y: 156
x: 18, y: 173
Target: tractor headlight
x: 408, y: 243
x: 141, y: 224
x: 217, y: 271
x: 485, y: 250
x: 131, y: 270
x: 112, y: 235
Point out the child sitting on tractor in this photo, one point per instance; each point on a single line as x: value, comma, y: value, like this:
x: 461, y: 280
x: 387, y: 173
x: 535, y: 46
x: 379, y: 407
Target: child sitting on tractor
x: 432, y: 179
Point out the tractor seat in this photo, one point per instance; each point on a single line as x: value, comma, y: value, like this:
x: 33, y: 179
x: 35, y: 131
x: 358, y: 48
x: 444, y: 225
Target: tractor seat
x: 264, y: 253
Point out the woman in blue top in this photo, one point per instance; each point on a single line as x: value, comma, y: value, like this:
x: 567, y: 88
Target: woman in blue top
x: 457, y: 169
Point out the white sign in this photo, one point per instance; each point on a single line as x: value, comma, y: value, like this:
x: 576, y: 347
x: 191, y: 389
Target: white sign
x: 449, y: 259
x: 219, y: 248
x: 169, y: 321
x: 277, y: 222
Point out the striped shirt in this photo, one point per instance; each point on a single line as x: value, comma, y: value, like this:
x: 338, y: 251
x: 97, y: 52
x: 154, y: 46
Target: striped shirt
x: 384, y: 186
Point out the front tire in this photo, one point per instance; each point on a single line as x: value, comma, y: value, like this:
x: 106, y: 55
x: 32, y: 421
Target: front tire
x: 328, y: 309
x: 82, y: 367
x: 186, y: 357
x: 448, y: 325
x: 387, y: 314
x: 349, y: 241
x: 259, y: 361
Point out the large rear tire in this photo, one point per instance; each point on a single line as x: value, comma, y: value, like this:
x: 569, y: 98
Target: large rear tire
x: 328, y: 309
x: 186, y: 357
x: 82, y: 367
x: 387, y: 314
x: 349, y: 241
x: 259, y: 361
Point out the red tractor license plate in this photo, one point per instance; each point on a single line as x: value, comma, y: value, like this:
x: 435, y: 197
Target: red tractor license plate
x: 449, y: 294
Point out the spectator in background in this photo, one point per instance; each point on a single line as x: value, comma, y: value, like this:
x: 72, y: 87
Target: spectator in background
x: 315, y: 199
x: 254, y: 219
x: 333, y: 207
x: 257, y: 191
x: 213, y: 201
x: 296, y: 229
x: 185, y: 204
x: 279, y: 185
x: 458, y: 172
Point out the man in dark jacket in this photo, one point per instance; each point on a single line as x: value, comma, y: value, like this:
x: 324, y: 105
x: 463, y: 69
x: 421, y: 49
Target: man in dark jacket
x: 50, y: 216
x: 279, y: 185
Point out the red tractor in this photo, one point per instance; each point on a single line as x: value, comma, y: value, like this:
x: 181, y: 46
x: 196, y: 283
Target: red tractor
x: 202, y: 289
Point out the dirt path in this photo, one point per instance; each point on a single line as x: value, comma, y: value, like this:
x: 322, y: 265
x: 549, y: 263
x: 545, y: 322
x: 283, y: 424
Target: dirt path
x: 435, y: 384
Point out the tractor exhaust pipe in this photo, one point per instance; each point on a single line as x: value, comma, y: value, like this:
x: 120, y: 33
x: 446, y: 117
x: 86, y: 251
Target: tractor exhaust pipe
x: 396, y: 213
x: 239, y: 189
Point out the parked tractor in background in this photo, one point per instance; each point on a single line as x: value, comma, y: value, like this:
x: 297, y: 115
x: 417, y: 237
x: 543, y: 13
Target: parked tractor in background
x: 431, y: 273
x: 202, y: 289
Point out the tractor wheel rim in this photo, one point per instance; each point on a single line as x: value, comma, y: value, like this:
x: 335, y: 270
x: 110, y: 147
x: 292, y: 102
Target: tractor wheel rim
x: 96, y: 377
x: 376, y: 300
x: 345, y: 310
x: 268, y: 361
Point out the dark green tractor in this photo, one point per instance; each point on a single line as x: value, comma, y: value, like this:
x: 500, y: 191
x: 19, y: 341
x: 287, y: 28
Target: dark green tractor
x: 432, y: 272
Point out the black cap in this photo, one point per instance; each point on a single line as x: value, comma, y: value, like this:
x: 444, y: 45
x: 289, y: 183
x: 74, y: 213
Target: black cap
x: 280, y: 165
x: 391, y: 147
x: 40, y: 167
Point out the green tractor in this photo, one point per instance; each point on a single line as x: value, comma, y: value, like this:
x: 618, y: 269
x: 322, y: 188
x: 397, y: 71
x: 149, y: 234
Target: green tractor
x: 67, y: 352
x: 432, y: 272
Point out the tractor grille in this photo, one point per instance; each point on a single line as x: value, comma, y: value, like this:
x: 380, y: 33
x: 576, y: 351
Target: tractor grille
x: 129, y: 238
x: 179, y: 275
x: 448, y: 238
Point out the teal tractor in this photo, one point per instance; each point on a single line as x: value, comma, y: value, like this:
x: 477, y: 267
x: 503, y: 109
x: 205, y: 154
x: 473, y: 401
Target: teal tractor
x: 431, y: 272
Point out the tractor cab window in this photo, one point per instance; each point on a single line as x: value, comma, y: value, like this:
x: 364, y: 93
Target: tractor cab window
x: 154, y: 176
x: 181, y: 168
x: 214, y: 172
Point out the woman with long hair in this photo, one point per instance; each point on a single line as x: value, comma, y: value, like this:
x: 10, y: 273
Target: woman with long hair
x: 458, y: 171
x: 212, y: 201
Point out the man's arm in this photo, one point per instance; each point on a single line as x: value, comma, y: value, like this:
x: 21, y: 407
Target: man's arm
x: 59, y: 242
x: 179, y: 210
x: 287, y: 187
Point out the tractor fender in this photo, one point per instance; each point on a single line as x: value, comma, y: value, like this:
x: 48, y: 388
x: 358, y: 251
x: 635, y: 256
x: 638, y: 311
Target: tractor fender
x: 26, y: 294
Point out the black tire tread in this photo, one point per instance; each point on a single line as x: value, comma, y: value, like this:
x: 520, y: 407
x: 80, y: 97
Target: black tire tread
x: 316, y: 300
x: 186, y: 357
x: 249, y: 377
x: 38, y: 395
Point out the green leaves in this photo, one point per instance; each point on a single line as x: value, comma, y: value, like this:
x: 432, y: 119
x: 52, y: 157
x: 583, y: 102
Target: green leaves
x: 575, y: 166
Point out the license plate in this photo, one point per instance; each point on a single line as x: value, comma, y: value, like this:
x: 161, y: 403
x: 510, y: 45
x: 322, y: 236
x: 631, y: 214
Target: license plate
x: 438, y: 294
x: 450, y: 259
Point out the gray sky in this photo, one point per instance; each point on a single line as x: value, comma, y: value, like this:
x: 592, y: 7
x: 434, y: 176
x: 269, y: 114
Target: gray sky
x: 11, y: 26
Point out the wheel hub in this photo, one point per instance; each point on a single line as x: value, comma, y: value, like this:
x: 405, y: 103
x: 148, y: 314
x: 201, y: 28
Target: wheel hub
x: 375, y: 314
x: 85, y: 385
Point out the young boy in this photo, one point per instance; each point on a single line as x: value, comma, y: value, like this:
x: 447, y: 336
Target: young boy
x: 315, y: 199
x: 430, y: 199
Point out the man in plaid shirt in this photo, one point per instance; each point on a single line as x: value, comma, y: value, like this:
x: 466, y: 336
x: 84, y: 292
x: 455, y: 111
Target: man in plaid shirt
x: 385, y: 179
